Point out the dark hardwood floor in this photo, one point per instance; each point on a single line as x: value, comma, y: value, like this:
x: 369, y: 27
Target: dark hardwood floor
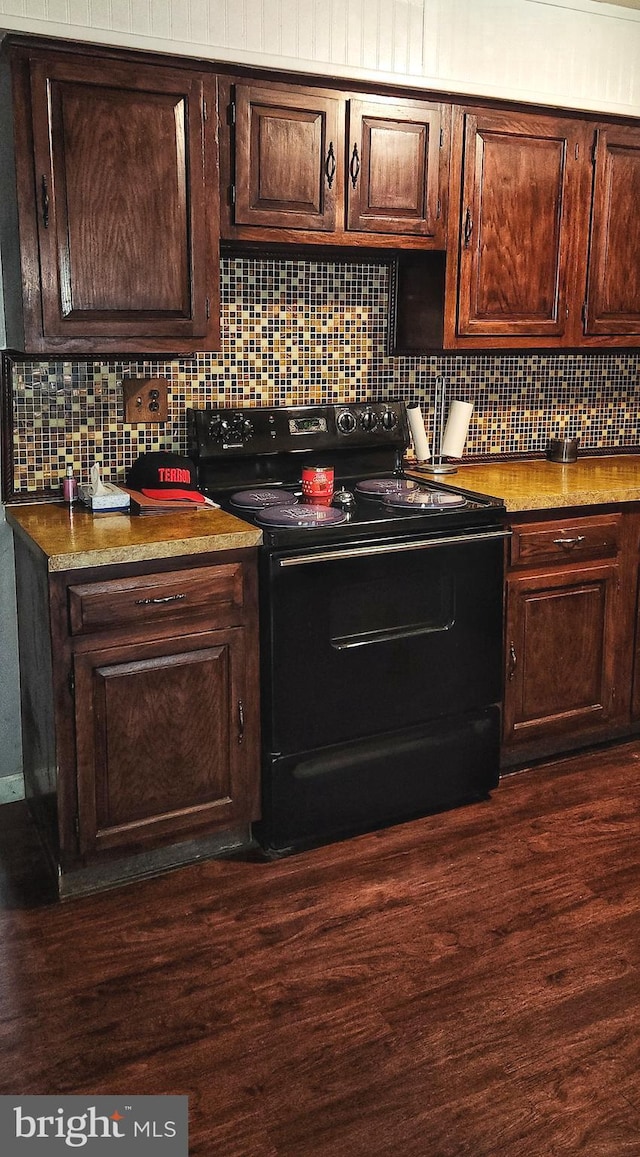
x: 468, y: 984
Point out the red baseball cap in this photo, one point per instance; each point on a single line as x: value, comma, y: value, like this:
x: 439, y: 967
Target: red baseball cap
x: 164, y: 475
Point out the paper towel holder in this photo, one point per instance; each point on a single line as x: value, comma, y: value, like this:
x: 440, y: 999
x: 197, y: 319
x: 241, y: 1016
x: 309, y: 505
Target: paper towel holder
x: 436, y: 465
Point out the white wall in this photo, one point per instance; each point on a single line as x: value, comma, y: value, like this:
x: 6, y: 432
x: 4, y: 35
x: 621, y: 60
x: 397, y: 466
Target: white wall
x: 577, y: 53
x: 10, y: 741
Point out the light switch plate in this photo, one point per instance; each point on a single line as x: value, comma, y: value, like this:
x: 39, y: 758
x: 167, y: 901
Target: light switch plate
x: 145, y: 399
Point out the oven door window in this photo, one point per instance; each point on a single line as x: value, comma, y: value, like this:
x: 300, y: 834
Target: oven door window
x: 366, y: 611
x: 363, y: 645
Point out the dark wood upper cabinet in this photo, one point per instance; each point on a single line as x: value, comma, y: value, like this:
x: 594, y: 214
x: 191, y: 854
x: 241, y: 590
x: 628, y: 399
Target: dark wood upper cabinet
x: 310, y: 165
x: 393, y: 178
x: 520, y: 185
x: 613, y: 286
x: 548, y: 237
x: 112, y: 243
x: 117, y: 182
x: 286, y: 163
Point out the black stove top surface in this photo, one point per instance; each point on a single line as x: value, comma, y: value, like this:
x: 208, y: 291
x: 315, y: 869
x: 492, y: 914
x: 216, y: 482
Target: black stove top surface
x: 424, y: 508
x: 248, y: 458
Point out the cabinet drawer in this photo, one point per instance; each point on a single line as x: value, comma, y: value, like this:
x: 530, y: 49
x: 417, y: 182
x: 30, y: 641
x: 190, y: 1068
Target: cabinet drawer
x: 214, y: 592
x: 559, y: 542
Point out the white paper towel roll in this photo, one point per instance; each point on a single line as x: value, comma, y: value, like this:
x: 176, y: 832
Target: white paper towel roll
x: 455, y: 434
x: 421, y: 447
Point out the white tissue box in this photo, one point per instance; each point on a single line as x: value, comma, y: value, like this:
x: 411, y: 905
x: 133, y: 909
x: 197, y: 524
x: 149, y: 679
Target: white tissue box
x: 114, y: 499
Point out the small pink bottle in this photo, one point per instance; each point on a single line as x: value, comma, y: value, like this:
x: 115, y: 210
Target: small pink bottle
x: 69, y: 487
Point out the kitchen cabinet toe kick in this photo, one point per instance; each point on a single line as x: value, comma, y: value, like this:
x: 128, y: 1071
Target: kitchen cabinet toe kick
x: 126, y: 869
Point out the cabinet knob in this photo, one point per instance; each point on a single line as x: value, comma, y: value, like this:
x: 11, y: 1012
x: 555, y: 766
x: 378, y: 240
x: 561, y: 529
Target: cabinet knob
x: 513, y: 662
x: 240, y: 720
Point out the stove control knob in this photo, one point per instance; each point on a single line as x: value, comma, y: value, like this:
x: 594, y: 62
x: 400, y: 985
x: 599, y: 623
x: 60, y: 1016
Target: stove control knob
x: 369, y: 420
x: 215, y: 427
x: 389, y: 420
x: 346, y: 422
x: 242, y: 428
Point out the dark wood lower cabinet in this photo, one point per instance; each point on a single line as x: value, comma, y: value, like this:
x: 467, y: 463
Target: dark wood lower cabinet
x: 561, y: 629
x: 140, y: 704
x: 159, y: 739
x: 570, y: 608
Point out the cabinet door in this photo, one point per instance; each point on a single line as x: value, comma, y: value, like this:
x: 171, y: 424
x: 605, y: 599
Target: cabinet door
x: 561, y: 649
x: 613, y: 294
x: 394, y: 167
x: 125, y: 247
x: 517, y: 196
x: 166, y: 740
x: 288, y: 157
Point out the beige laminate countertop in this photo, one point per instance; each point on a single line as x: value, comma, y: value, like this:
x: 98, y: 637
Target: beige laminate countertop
x: 73, y: 537
x: 543, y: 485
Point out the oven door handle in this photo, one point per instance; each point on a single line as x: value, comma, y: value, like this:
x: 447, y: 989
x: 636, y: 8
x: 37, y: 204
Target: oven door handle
x: 392, y: 548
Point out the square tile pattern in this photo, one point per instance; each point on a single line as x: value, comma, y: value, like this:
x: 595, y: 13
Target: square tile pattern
x: 300, y: 331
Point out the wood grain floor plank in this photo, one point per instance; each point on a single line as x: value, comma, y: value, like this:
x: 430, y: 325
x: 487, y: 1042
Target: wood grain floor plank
x: 467, y: 985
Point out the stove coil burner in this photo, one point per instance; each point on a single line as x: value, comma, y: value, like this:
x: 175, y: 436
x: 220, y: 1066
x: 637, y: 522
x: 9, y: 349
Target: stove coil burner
x: 404, y: 492
x: 427, y: 500
x: 300, y: 516
x: 381, y: 488
x: 261, y: 499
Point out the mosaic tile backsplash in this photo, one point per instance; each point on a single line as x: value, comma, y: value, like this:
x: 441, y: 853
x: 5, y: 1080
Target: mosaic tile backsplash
x: 300, y: 331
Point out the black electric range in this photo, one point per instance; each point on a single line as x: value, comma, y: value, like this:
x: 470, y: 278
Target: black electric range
x: 245, y: 456
x: 380, y: 624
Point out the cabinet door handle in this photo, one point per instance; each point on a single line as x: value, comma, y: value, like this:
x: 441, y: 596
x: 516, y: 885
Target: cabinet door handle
x: 240, y: 720
x: 513, y: 662
x: 157, y: 602
x: 468, y: 228
x: 330, y: 165
x: 354, y: 166
x: 45, y: 202
x: 569, y: 543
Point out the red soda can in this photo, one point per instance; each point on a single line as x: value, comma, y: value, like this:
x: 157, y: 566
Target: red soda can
x: 317, y: 485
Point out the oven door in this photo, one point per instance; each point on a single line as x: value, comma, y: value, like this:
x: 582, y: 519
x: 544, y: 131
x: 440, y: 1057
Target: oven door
x: 369, y: 639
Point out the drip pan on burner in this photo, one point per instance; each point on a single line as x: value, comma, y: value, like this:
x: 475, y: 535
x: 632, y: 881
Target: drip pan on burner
x: 301, y: 515
x: 381, y: 487
x: 425, y: 500
x: 262, y: 498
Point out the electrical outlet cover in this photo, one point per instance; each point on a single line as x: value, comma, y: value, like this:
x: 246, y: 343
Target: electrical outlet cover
x: 145, y: 400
